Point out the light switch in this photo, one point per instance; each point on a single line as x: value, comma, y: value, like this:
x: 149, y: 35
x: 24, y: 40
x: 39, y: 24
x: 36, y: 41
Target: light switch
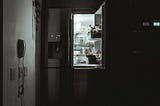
x: 13, y: 73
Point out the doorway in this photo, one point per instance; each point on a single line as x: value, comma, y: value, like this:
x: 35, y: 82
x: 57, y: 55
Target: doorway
x: 63, y: 84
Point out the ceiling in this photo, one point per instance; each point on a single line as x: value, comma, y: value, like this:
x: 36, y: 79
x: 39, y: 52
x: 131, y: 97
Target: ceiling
x: 85, y: 4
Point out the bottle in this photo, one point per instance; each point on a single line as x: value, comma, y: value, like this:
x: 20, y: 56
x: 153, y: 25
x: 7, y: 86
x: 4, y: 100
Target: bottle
x: 81, y: 51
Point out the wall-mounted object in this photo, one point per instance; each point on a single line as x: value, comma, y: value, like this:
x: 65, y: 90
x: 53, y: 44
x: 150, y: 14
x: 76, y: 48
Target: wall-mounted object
x: 21, y: 48
x: 13, y: 73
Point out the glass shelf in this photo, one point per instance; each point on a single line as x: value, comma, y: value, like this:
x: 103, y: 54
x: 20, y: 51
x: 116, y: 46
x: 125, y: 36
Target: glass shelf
x: 83, y: 45
x: 80, y: 55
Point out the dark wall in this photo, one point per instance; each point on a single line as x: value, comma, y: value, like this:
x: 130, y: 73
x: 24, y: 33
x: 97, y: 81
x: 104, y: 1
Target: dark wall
x: 132, y: 79
x: 1, y: 52
x: 118, y: 28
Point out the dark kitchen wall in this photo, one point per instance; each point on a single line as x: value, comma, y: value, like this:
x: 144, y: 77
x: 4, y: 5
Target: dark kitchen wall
x: 1, y: 52
x: 133, y: 71
x: 17, y: 24
x: 118, y: 67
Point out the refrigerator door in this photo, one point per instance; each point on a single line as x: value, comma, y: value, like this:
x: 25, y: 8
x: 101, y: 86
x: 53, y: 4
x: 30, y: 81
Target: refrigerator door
x: 53, y: 86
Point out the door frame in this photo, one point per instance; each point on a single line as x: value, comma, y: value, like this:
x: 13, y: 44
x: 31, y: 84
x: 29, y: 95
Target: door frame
x: 1, y: 52
x: 42, y: 85
x: 104, y: 34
